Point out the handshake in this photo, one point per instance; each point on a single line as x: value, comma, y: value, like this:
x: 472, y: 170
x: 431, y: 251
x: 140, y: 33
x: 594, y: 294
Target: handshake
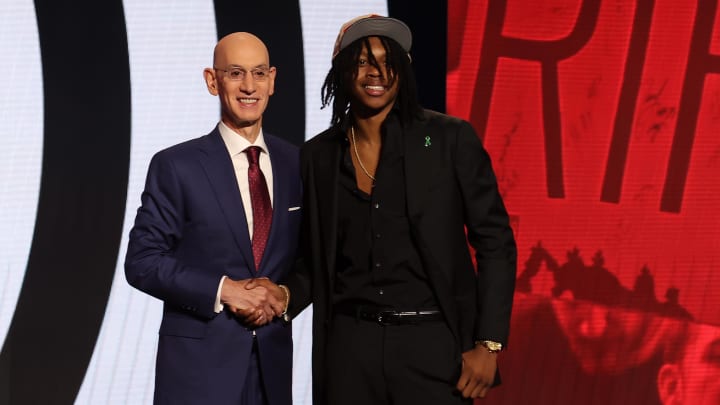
x: 255, y: 301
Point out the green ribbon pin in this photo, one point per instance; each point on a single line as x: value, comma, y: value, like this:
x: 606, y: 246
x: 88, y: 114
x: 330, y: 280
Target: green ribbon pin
x: 427, y: 141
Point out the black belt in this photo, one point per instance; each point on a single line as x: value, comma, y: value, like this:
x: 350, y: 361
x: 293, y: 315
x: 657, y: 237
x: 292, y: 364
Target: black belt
x: 390, y: 316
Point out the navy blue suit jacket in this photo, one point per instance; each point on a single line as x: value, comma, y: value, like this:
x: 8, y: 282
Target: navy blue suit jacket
x: 190, y: 231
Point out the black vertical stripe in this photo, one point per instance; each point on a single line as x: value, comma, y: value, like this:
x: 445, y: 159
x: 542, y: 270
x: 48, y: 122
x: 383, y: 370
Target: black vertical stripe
x: 623, y: 124
x: 279, y: 26
x: 86, y: 83
x: 428, y: 23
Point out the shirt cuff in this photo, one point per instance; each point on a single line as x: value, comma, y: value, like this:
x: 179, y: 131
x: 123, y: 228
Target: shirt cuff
x: 219, y: 305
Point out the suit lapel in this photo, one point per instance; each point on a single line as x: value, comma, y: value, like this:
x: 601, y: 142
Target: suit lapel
x: 326, y: 162
x: 281, y: 174
x: 419, y: 163
x: 221, y: 176
x: 422, y: 155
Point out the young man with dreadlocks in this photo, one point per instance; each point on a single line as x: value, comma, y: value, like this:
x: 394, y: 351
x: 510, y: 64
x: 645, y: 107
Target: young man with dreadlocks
x: 401, y: 316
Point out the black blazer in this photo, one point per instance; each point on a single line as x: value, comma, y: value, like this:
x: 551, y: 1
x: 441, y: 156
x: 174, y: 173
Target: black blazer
x: 450, y: 188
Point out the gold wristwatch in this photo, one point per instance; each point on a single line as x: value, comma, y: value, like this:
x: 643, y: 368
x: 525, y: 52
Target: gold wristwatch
x: 492, y: 347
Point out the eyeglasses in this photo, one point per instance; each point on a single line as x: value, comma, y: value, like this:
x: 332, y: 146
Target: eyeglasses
x: 259, y: 74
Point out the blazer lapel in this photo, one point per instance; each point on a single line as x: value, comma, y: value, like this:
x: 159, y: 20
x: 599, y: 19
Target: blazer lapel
x: 281, y: 173
x: 326, y: 162
x: 421, y: 158
x: 221, y: 175
x: 419, y: 163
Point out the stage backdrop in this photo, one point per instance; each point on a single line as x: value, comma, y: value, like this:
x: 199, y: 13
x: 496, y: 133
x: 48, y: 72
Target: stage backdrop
x: 89, y: 92
x: 603, y: 122
x: 601, y: 117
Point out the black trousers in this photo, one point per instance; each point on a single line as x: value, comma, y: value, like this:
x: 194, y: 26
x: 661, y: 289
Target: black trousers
x: 369, y: 363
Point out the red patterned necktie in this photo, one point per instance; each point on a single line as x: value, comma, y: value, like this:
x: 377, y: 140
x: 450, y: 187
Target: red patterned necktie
x: 261, y: 207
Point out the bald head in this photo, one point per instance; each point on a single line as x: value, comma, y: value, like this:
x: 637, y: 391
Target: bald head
x: 231, y: 46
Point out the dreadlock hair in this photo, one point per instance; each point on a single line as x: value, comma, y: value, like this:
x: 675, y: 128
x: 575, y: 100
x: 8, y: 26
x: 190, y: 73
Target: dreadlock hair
x: 344, y: 71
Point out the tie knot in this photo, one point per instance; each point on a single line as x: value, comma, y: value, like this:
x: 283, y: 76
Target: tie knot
x: 253, y: 153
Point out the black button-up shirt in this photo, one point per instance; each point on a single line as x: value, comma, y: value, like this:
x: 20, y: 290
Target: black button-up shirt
x: 377, y: 262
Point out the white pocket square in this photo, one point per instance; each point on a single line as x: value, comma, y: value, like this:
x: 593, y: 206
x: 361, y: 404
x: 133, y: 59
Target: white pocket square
x: 293, y: 209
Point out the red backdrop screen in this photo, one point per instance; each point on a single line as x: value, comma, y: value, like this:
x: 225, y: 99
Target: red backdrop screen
x: 603, y: 122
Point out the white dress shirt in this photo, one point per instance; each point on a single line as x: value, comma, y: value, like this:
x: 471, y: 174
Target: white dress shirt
x: 236, y: 145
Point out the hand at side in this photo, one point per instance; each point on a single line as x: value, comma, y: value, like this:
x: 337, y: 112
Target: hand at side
x: 478, y: 372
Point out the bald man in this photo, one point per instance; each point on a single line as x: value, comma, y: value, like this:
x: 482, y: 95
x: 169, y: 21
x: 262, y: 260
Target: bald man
x: 216, y: 212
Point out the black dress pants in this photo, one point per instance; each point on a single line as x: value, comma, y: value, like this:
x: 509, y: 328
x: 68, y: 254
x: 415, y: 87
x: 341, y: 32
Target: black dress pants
x: 410, y: 364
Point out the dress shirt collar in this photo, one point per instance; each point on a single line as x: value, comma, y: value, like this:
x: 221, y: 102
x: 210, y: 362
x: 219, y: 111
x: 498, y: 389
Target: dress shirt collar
x: 237, y: 143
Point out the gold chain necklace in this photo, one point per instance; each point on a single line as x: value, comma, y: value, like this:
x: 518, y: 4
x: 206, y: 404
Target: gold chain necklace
x: 357, y: 155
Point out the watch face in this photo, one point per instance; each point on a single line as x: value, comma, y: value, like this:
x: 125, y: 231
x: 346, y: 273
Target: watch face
x: 493, y: 346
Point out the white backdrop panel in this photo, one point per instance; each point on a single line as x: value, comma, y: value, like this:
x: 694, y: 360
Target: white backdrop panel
x: 21, y: 145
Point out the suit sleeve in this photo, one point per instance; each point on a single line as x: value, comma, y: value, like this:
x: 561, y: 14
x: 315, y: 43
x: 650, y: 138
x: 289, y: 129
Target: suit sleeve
x: 151, y: 264
x: 489, y: 234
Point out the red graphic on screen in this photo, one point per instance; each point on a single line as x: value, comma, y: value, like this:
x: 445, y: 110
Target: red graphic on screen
x: 603, y: 122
